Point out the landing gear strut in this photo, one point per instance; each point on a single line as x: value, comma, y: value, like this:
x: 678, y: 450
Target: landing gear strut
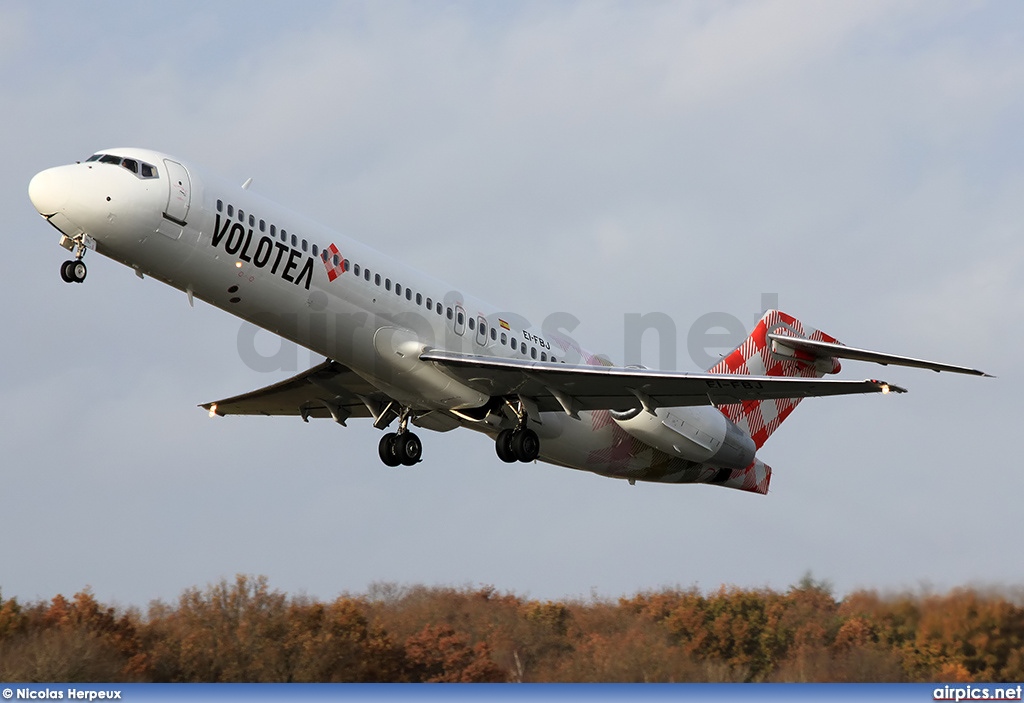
x: 402, y: 447
x: 74, y: 270
x: 519, y: 444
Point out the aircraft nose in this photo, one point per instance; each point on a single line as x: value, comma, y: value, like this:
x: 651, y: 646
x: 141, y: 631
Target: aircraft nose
x: 49, y: 190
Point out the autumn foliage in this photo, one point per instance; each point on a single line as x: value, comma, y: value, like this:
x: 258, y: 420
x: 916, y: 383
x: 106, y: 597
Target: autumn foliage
x: 244, y: 631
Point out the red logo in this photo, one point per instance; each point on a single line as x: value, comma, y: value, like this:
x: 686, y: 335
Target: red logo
x: 334, y: 262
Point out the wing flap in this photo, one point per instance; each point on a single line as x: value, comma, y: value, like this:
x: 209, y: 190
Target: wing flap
x: 569, y: 388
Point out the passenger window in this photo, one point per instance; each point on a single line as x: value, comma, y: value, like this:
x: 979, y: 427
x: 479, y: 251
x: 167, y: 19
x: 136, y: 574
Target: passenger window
x: 448, y: 314
x: 504, y: 338
x: 513, y: 345
x: 355, y: 269
x: 314, y: 254
x: 533, y: 352
x: 387, y: 284
x: 439, y: 308
x: 252, y: 221
x: 220, y: 206
x: 273, y: 230
x: 263, y: 226
x: 241, y: 215
x: 305, y: 245
x: 408, y: 293
x: 366, y: 274
x: 295, y: 241
x: 430, y: 304
x: 494, y: 335
x: 543, y: 356
x: 376, y: 279
x: 472, y: 325
x: 335, y: 260
x: 284, y: 235
x: 419, y: 299
x: 522, y: 348
x: 553, y: 360
x: 231, y: 210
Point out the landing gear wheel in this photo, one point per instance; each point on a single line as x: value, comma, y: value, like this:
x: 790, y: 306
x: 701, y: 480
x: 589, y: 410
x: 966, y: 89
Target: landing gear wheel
x: 526, y: 445
x: 73, y: 271
x: 408, y: 448
x: 503, y: 446
x: 387, y: 449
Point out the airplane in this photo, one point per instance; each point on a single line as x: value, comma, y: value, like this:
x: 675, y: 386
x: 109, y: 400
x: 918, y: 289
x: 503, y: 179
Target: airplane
x: 402, y: 347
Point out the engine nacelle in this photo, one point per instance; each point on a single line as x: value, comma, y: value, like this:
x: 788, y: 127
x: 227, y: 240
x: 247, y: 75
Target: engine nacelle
x: 695, y: 434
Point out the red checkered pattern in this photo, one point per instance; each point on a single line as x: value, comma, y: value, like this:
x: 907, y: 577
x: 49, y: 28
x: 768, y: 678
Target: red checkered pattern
x: 754, y: 357
x: 334, y: 262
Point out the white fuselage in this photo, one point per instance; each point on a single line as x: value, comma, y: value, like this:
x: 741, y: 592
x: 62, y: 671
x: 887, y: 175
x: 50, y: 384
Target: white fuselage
x: 242, y: 253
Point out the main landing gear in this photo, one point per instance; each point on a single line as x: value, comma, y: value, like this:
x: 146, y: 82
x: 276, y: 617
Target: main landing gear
x: 74, y: 270
x: 519, y: 444
x: 402, y: 447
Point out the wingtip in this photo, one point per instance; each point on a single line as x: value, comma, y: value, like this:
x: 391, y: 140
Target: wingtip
x: 884, y: 387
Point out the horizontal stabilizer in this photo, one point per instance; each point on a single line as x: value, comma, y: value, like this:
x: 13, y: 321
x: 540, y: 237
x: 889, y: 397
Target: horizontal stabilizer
x: 785, y: 345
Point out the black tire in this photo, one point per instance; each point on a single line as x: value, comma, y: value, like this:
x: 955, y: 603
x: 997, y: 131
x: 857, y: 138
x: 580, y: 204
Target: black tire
x: 526, y: 445
x: 65, y: 271
x: 77, y: 270
x: 503, y: 446
x: 387, y: 449
x: 408, y: 448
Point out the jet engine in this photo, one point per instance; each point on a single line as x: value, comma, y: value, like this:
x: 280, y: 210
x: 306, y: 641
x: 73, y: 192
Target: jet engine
x: 694, y: 434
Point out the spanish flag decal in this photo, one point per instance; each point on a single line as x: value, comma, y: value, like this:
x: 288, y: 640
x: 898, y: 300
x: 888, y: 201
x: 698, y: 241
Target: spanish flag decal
x: 504, y: 325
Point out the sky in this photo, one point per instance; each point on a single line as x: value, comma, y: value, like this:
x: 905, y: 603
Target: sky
x: 860, y: 163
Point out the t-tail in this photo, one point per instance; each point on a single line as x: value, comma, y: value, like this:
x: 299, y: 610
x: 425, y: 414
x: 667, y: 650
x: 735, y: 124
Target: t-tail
x: 781, y: 345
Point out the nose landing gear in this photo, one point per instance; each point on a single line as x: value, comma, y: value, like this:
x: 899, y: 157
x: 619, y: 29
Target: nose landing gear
x: 74, y: 270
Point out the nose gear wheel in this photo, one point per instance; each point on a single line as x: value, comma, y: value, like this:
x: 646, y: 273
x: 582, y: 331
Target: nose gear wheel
x: 73, y: 271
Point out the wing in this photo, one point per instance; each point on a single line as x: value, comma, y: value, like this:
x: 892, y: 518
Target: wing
x: 326, y: 390
x: 556, y: 386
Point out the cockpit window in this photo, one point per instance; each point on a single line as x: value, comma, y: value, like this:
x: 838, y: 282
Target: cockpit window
x: 139, y: 168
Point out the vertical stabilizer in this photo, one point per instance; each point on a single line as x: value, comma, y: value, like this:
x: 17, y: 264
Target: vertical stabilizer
x: 758, y: 356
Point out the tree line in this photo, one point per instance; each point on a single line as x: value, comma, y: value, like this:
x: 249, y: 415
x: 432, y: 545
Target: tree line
x: 243, y: 631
